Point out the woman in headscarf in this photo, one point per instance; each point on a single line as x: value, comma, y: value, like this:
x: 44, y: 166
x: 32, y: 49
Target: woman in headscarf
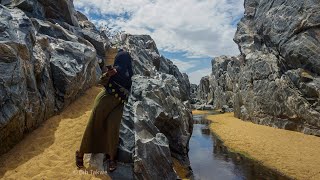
x: 102, y: 131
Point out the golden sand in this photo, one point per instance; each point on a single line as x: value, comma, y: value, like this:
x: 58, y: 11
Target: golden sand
x: 292, y: 153
x: 195, y: 112
x: 48, y: 152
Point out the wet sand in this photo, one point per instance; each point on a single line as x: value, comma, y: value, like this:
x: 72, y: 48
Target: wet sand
x: 48, y: 152
x: 292, y: 153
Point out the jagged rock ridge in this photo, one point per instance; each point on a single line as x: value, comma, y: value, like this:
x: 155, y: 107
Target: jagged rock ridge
x: 276, y: 79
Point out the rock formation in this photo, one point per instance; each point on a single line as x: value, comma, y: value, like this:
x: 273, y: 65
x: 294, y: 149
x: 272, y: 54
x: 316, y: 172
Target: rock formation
x: 204, y: 90
x: 46, y: 61
x: 157, y: 122
x: 223, y: 80
x: 276, y: 79
x: 193, y: 91
x: 50, y: 54
x: 203, y: 96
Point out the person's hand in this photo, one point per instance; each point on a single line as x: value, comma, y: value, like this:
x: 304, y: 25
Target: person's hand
x: 112, y: 72
x: 104, y: 69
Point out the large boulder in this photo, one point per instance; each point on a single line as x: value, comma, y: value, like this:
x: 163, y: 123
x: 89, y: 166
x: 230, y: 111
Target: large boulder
x: 156, y: 124
x: 162, y: 125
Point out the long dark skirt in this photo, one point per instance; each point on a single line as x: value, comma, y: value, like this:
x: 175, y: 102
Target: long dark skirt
x: 102, y: 131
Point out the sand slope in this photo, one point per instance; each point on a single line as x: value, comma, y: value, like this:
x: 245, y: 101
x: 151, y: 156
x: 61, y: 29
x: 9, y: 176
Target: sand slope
x: 295, y: 154
x: 48, y: 152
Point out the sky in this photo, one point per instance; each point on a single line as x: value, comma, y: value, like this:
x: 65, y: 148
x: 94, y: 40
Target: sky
x: 189, y: 32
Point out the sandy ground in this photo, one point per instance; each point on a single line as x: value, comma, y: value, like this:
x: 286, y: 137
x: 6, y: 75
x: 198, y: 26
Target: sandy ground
x: 195, y: 112
x: 48, y: 152
x: 295, y: 154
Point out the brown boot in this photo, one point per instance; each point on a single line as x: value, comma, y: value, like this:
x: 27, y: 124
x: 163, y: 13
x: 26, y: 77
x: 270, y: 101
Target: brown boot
x: 112, y: 165
x: 79, y: 159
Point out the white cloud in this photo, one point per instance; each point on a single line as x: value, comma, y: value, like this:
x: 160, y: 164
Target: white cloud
x: 111, y: 6
x: 201, y: 28
x: 184, y: 66
x: 198, y: 27
x: 196, y: 76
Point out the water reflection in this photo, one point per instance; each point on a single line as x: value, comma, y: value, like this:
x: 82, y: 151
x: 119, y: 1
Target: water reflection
x: 211, y: 160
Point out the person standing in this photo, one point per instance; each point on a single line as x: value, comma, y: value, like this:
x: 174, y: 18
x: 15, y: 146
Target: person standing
x: 102, y: 131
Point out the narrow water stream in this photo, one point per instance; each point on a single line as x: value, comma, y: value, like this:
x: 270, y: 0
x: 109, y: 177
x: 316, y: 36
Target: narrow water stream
x: 211, y: 160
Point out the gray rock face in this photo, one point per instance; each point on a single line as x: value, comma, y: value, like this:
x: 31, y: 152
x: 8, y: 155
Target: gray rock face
x: 162, y: 127
x: 157, y: 124
x: 204, y: 95
x: 193, y: 90
x: 193, y: 93
x: 150, y: 61
x: 43, y: 65
x: 59, y: 10
x: 204, y: 89
x: 89, y: 32
x: 279, y: 84
x: 218, y: 88
x: 223, y: 80
x: 275, y: 81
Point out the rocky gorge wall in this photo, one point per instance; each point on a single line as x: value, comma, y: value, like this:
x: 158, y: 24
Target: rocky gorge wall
x: 50, y: 54
x: 275, y: 81
x: 48, y: 57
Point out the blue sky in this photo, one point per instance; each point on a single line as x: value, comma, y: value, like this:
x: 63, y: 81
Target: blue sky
x: 189, y: 32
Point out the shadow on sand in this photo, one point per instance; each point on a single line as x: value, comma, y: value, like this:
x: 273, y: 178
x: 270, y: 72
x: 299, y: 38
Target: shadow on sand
x: 38, y: 141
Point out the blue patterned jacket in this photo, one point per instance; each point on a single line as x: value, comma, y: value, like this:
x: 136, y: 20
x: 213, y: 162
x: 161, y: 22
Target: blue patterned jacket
x: 120, y: 84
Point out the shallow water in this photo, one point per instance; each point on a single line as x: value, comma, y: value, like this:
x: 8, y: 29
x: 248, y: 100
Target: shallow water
x: 211, y: 160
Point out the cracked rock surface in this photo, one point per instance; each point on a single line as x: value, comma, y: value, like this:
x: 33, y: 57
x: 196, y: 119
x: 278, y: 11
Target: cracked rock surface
x: 276, y: 79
